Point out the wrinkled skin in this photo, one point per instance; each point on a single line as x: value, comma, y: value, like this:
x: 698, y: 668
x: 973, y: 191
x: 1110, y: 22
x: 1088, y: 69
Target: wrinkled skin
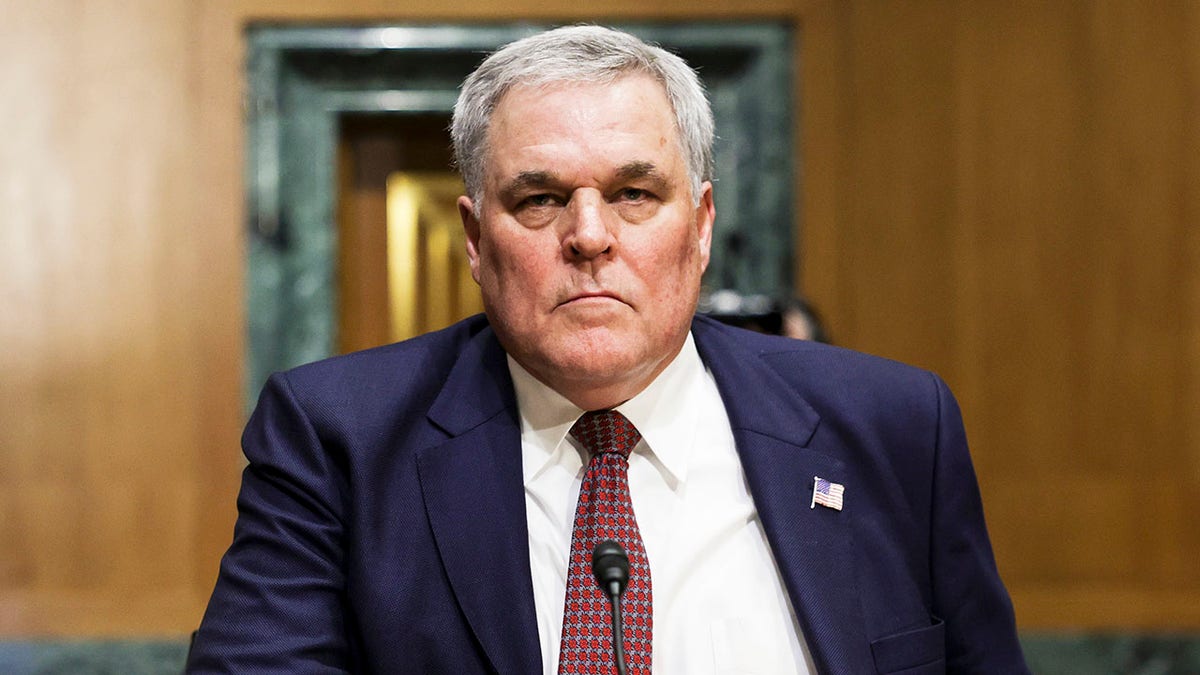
x: 589, y: 245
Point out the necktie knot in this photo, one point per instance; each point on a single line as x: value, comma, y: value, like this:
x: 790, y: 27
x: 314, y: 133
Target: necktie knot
x: 606, y: 431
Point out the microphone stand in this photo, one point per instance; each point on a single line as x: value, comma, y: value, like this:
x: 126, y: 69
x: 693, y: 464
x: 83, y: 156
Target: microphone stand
x: 610, y: 566
x: 618, y: 625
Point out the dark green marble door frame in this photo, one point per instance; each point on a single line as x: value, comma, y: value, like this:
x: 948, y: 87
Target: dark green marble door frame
x: 302, y: 80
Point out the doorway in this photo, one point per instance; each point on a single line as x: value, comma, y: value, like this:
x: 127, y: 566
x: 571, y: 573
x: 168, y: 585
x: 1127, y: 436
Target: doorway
x: 401, y: 263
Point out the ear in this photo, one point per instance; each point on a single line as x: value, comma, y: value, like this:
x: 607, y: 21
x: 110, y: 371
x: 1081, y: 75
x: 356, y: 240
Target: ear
x: 706, y: 215
x: 466, y: 211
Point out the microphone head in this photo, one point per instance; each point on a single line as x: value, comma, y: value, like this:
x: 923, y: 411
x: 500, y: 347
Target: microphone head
x: 610, y: 565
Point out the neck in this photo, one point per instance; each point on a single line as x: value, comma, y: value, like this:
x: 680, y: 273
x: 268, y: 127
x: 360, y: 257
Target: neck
x: 607, y: 393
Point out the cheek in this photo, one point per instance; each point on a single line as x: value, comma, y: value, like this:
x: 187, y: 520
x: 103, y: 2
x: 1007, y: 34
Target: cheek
x: 515, y: 267
x: 678, y: 256
x: 669, y: 272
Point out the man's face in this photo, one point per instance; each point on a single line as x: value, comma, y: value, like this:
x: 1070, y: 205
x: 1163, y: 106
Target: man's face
x: 588, y: 247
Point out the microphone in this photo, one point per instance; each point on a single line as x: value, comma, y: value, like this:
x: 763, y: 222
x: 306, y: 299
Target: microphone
x: 610, y: 566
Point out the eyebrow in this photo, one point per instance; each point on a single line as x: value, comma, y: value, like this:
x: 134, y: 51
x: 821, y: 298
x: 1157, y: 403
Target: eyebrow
x: 525, y: 180
x: 641, y: 170
x: 635, y: 170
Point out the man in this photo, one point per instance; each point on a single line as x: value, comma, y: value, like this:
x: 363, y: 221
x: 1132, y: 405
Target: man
x: 419, y: 508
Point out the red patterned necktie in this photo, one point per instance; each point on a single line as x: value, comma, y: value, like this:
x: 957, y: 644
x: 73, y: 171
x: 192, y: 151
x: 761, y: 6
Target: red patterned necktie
x: 605, y: 512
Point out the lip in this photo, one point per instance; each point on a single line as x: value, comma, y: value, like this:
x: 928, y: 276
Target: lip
x: 585, y: 298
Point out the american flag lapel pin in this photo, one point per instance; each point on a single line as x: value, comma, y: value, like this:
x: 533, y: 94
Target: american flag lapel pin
x: 827, y: 494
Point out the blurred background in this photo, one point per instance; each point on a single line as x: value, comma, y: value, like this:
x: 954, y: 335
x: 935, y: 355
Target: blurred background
x: 1007, y: 193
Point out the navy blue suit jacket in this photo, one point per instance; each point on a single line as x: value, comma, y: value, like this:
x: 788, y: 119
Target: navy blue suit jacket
x: 382, y: 521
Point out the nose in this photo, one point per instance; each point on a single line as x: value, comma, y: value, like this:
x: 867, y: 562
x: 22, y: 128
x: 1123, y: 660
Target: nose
x: 589, y: 226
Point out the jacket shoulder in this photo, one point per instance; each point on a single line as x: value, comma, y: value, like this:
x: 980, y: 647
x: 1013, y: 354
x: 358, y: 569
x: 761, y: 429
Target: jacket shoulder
x: 433, y: 351
x: 817, y: 369
x: 373, y: 385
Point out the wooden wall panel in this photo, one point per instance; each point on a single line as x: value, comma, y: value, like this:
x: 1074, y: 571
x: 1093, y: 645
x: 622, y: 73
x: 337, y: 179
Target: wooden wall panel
x: 109, y: 400
x: 1010, y: 198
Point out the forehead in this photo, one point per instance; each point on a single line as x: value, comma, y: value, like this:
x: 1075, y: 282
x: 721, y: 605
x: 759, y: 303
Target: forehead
x: 626, y: 120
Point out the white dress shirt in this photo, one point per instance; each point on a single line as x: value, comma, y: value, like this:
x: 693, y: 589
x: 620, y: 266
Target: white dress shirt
x: 719, y: 602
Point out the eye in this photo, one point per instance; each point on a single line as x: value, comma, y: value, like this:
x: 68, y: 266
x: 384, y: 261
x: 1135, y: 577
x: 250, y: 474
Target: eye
x: 539, y: 200
x: 632, y: 194
x: 537, y: 209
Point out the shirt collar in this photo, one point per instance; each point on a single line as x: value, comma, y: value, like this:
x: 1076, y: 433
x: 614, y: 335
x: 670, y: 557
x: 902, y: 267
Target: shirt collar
x: 664, y: 412
x: 546, y: 418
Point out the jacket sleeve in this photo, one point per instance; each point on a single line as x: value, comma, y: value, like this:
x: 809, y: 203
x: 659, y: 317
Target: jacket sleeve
x: 981, y: 635
x: 278, y: 604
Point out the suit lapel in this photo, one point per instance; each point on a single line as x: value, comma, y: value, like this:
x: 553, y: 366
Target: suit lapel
x: 774, y: 430
x: 474, y: 497
x: 473, y: 490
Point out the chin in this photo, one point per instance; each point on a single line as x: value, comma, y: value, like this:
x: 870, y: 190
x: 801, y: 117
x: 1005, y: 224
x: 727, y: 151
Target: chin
x: 580, y: 360
x: 595, y: 363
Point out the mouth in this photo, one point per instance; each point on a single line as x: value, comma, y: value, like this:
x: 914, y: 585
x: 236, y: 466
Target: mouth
x: 591, y: 298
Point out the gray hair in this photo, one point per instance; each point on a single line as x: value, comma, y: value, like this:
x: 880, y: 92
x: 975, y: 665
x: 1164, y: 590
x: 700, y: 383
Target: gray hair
x: 579, y: 54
